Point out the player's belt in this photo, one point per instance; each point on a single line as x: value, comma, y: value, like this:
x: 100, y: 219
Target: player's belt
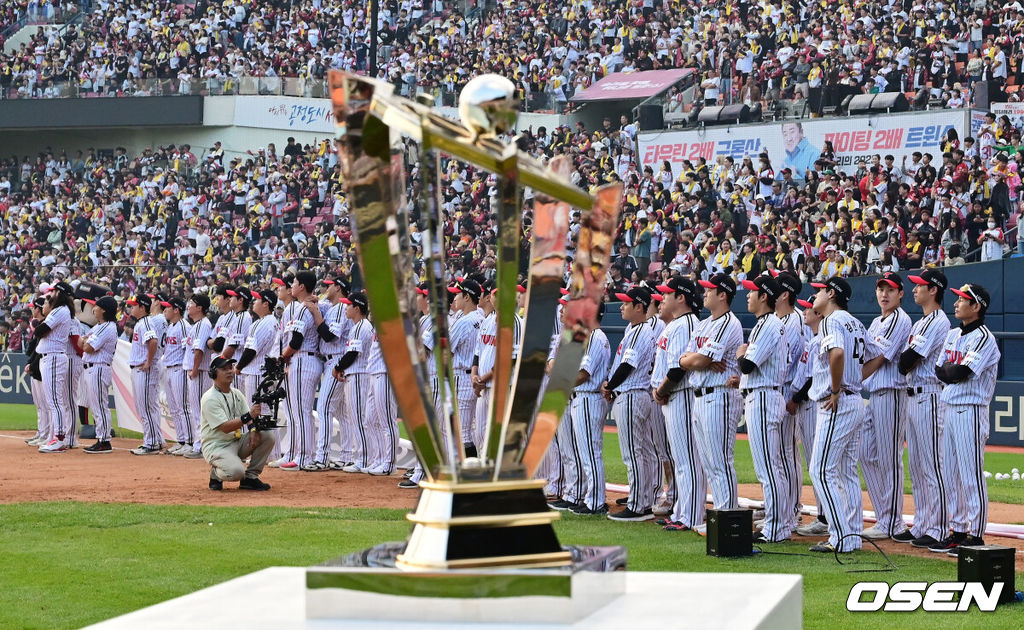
x: 309, y: 354
x: 771, y: 388
x: 171, y: 367
x: 914, y: 391
x: 46, y: 354
x: 467, y: 371
x: 704, y: 391
x: 89, y: 365
x: 587, y: 391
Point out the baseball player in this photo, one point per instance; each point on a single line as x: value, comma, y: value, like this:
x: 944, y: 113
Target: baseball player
x: 764, y: 361
x: 484, y: 356
x: 383, y: 418
x: 881, y: 457
x: 159, y: 323
x: 258, y: 343
x: 44, y: 426
x: 627, y: 388
x: 53, y: 336
x: 237, y: 329
x: 462, y: 339
x: 793, y: 321
x: 175, y: 379
x: 426, y: 339
x: 967, y: 365
x: 805, y: 410
x: 145, y: 379
x: 196, y: 362
x: 332, y: 327
x: 710, y: 358
x: 587, y: 411
x: 282, y: 286
x: 926, y: 421
x: 835, y: 387
x: 222, y: 329
x: 353, y: 368
x: 672, y: 391
x: 305, y: 369
x: 658, y: 320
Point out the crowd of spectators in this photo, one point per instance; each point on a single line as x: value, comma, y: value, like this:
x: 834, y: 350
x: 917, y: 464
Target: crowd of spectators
x: 743, y: 51
x: 171, y: 219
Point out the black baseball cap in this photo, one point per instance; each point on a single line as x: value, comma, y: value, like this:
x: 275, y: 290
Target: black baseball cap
x: 837, y: 284
x: 224, y: 290
x: 201, y: 301
x: 423, y: 288
x: 974, y: 293
x: 174, y: 302
x: 358, y: 298
x: 219, y: 362
x: 39, y: 301
x: 341, y: 281
x: 267, y: 295
x: 682, y: 286
x: 467, y: 286
x: 636, y: 295
x: 931, y: 277
x: 722, y: 282
x: 892, y: 279
x: 763, y: 284
x: 64, y: 288
x: 788, y: 282
x: 142, y: 300
x: 106, y: 302
x: 242, y: 292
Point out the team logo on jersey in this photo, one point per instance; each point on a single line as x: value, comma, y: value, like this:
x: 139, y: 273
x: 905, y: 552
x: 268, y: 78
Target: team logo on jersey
x: 171, y: 341
x: 663, y: 343
x: 135, y: 336
x: 954, y: 356
x: 489, y: 340
x: 701, y: 341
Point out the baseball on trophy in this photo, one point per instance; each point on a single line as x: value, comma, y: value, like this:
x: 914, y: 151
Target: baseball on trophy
x: 488, y: 105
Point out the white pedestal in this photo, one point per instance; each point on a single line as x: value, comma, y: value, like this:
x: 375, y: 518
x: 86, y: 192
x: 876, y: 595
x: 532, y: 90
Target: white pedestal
x: 274, y: 599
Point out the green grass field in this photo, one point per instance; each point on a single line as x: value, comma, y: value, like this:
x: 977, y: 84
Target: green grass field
x: 71, y: 564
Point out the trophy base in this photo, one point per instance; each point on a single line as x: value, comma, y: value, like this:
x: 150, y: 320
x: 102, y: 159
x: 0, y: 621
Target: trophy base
x: 488, y: 524
x: 369, y: 585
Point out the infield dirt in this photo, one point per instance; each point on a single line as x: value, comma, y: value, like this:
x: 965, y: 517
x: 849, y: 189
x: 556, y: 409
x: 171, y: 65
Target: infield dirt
x: 120, y: 477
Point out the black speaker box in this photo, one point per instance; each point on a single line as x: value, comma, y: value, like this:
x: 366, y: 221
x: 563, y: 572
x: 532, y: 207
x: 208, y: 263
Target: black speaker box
x: 890, y: 101
x: 651, y: 117
x: 730, y: 533
x: 860, y: 104
x: 987, y: 564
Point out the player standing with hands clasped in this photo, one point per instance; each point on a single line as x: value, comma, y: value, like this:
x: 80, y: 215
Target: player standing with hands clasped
x: 145, y: 380
x: 885, y: 425
x: 763, y: 362
x: 672, y: 391
x: 968, y: 366
x: 710, y: 359
x: 627, y: 390
x: 53, y: 336
x: 99, y: 349
x: 925, y: 420
x: 835, y: 386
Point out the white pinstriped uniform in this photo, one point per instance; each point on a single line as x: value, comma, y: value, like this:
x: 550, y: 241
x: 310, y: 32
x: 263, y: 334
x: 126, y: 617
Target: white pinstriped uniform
x: 426, y: 337
x: 658, y: 435
x: 837, y: 436
x: 225, y: 324
x: 159, y: 323
x: 558, y: 464
x: 305, y: 369
x: 357, y: 393
x: 55, y: 367
x: 806, y: 411
x: 795, y: 342
x: 462, y: 338
x: 763, y: 410
x: 175, y: 391
x: 885, y: 425
x: 44, y: 424
x: 261, y: 339
x: 486, y: 352
x: 103, y: 339
x: 281, y: 339
x: 587, y: 411
x: 966, y: 406
x: 76, y: 394
x: 926, y: 424
x: 717, y: 412
x: 690, y: 482
x: 146, y: 384
x: 384, y: 417
x: 196, y: 337
x: 331, y: 392
x: 632, y: 413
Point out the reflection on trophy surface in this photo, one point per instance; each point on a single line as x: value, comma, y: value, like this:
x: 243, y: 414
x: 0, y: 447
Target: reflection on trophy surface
x: 479, y: 508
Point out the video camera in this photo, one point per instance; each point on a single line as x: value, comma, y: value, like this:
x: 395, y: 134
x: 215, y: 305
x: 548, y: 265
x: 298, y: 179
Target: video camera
x: 269, y: 395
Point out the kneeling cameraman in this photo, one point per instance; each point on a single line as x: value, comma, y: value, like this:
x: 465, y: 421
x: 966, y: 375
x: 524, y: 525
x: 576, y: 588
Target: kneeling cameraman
x: 224, y: 412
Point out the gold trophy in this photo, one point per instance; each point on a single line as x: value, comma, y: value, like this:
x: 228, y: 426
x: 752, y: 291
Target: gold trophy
x: 482, y: 527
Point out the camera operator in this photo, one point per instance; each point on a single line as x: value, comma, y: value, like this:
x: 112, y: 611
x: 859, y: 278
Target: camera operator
x: 224, y: 413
